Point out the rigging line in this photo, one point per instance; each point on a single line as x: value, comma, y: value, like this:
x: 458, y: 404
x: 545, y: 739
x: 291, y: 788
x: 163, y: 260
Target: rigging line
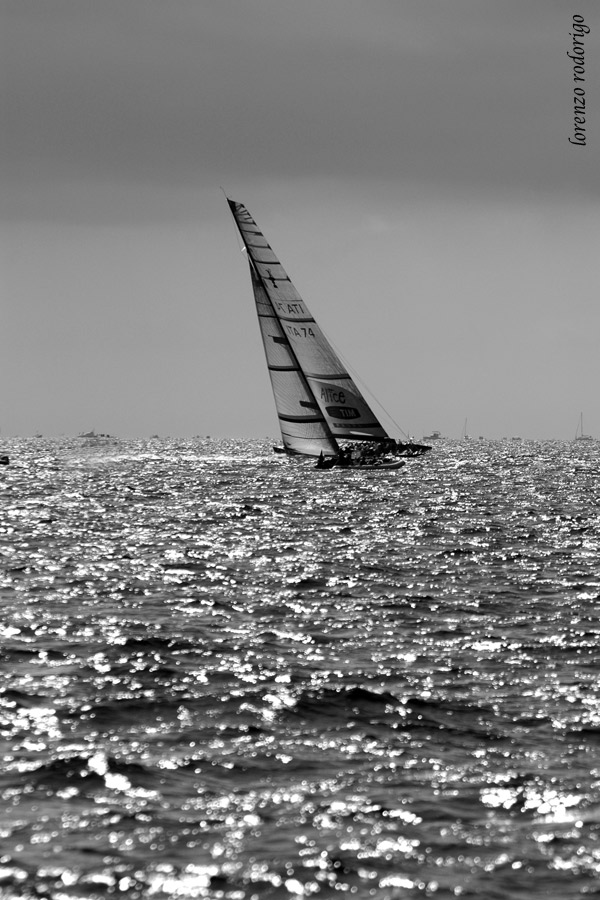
x: 363, y: 384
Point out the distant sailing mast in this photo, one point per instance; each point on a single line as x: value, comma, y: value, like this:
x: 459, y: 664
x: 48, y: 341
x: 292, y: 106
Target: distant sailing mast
x: 579, y: 433
x: 318, y: 402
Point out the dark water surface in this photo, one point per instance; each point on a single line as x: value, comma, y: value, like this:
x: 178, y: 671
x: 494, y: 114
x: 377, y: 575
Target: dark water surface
x: 229, y: 675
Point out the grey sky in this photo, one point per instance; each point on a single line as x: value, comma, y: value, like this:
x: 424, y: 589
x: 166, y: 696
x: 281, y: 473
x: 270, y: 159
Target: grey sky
x: 408, y: 161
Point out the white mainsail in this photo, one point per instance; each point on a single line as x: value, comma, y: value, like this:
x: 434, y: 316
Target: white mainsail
x: 303, y: 428
x: 317, y: 401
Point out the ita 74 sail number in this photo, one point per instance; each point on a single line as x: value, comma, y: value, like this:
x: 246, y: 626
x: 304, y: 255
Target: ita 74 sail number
x: 301, y: 331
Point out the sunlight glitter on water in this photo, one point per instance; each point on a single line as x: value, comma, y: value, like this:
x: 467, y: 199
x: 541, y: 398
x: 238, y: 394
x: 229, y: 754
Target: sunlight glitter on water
x: 236, y: 668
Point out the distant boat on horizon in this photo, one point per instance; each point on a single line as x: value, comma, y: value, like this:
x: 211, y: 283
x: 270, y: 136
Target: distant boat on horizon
x: 434, y: 436
x: 580, y: 435
x: 94, y: 438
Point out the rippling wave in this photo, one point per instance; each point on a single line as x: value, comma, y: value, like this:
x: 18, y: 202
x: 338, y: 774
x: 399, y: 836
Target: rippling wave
x: 230, y: 675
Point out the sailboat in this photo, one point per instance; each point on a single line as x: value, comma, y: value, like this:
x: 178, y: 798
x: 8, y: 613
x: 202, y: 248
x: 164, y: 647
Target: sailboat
x: 321, y: 411
x: 580, y: 435
x: 94, y: 439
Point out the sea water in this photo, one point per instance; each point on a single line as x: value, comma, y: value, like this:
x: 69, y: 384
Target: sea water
x: 226, y: 674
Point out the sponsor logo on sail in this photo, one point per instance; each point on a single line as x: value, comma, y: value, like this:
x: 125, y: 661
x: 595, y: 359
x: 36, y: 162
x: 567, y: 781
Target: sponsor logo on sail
x: 342, y: 412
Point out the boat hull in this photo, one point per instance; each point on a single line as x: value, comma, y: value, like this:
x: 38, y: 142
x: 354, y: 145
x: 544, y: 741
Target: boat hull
x: 364, y: 467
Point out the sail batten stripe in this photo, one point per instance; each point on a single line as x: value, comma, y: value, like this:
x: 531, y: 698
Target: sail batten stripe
x: 295, y: 319
x: 286, y: 418
x: 363, y: 427
x: 343, y: 376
